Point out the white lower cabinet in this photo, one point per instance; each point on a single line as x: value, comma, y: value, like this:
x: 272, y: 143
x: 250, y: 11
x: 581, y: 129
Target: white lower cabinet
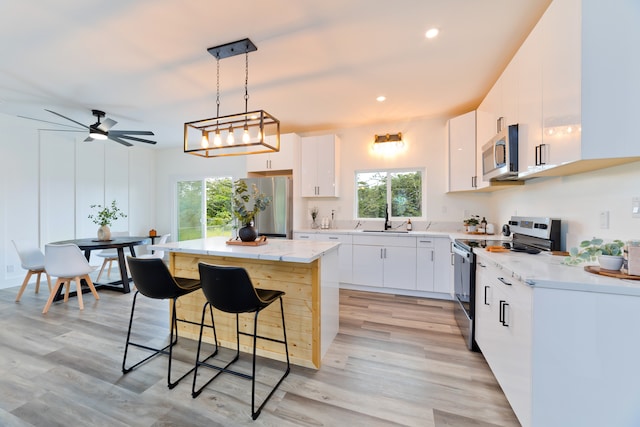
x: 388, y: 261
x: 504, y: 333
x: 344, y: 251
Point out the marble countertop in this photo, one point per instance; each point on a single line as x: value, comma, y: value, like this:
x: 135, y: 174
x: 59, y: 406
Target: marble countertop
x: 547, y: 271
x: 302, y: 251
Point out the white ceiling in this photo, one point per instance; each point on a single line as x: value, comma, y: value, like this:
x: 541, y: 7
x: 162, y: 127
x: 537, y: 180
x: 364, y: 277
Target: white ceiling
x: 319, y: 65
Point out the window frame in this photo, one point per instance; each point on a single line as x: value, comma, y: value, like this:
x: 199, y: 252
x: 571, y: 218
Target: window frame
x: 388, y: 172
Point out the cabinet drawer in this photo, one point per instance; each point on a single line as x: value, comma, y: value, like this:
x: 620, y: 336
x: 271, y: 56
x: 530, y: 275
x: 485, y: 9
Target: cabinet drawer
x: 304, y: 236
x: 425, y: 242
x: 338, y: 238
x: 400, y: 241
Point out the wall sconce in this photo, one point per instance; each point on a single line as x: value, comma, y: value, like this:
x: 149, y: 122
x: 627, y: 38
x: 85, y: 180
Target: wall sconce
x: 389, y: 143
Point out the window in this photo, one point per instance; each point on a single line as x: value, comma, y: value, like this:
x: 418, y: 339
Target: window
x: 400, y: 189
x: 204, y: 208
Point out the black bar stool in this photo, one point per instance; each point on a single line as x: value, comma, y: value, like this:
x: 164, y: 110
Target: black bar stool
x: 229, y: 289
x: 153, y: 280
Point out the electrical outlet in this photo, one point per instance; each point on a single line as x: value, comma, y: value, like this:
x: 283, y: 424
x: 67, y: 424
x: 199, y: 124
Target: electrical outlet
x: 604, y: 219
x: 635, y: 207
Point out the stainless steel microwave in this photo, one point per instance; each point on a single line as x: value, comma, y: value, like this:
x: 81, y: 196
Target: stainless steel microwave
x: 500, y: 156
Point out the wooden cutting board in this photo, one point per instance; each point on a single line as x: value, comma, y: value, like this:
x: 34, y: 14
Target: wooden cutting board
x: 611, y: 273
x: 262, y: 240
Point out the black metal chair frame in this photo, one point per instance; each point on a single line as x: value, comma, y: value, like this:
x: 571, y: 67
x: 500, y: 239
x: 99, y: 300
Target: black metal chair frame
x: 196, y: 392
x: 173, y: 336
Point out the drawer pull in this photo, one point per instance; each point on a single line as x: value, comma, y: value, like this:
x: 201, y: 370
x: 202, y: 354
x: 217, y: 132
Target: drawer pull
x: 504, y: 281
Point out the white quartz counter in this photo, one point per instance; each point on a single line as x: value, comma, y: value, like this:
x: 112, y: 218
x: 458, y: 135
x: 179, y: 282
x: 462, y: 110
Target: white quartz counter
x: 303, y: 251
x: 547, y: 271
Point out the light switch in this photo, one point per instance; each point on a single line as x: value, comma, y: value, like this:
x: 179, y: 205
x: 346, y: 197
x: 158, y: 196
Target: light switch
x: 604, y: 219
x: 635, y: 207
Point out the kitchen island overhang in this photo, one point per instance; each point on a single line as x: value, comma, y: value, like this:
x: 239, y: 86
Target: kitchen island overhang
x: 307, y: 271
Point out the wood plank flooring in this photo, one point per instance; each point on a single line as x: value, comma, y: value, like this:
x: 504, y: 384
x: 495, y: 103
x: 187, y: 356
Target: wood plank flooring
x: 397, y: 361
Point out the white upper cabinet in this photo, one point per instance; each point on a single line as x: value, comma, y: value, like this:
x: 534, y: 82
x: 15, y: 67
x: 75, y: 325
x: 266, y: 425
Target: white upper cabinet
x: 463, y: 175
x: 568, y: 86
x: 281, y: 160
x: 319, y: 166
x: 530, y: 101
x: 561, y: 102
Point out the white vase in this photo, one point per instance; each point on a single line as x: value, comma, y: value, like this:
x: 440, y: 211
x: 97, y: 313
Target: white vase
x: 472, y: 228
x: 104, y: 233
x: 610, y: 262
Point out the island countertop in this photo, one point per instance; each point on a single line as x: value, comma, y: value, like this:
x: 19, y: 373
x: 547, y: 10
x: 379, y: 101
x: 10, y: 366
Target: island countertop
x: 303, y: 251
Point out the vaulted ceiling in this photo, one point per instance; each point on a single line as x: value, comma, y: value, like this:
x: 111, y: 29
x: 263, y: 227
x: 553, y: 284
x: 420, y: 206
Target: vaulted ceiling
x: 319, y: 65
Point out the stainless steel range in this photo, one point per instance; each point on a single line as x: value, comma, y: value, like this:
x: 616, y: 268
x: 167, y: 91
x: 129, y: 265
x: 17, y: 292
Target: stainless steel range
x: 530, y: 235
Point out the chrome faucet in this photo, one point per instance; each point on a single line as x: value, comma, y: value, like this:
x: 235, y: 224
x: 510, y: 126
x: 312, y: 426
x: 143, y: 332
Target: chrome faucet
x: 387, y: 223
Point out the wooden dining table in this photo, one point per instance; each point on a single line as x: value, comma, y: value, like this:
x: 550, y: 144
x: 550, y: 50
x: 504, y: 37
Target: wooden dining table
x: 119, y: 243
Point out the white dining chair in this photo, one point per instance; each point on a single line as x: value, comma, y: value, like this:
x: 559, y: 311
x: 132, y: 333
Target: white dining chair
x: 111, y: 255
x: 67, y: 263
x: 157, y: 253
x: 32, y: 260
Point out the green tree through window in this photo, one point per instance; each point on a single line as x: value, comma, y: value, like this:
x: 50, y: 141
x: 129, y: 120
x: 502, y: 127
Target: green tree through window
x: 204, y: 208
x: 401, y: 190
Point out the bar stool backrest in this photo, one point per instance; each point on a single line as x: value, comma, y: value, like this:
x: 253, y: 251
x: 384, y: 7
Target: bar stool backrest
x: 153, y: 279
x: 229, y: 289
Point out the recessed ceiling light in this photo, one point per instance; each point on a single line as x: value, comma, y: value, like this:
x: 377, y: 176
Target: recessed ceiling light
x: 432, y: 33
x: 381, y: 98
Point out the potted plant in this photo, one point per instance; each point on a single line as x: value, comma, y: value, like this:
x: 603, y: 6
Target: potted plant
x: 472, y: 222
x: 246, y: 205
x: 105, y: 217
x: 608, y: 255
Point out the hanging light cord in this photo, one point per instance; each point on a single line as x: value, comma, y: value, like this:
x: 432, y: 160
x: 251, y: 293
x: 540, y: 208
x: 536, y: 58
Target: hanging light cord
x: 246, y: 82
x: 218, y: 85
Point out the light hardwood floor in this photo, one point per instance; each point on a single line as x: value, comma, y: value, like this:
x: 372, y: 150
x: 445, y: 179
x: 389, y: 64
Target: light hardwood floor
x: 397, y: 361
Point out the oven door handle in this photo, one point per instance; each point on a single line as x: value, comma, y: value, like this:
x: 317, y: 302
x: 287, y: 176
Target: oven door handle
x: 456, y: 250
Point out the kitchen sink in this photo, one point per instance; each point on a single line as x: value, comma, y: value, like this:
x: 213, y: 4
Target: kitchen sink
x: 384, y: 231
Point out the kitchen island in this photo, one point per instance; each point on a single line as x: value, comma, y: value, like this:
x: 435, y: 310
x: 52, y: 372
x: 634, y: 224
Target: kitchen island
x: 307, y: 271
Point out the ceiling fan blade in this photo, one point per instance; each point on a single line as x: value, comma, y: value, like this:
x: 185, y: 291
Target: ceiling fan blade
x: 52, y: 123
x: 130, y: 132
x: 133, y: 138
x: 67, y: 118
x: 107, y: 124
x: 120, y: 141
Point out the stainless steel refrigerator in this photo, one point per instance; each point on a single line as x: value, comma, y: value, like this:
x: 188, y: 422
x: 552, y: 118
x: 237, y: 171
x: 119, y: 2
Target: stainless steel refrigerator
x: 277, y: 219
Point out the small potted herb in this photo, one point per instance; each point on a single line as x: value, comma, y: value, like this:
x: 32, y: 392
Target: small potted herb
x: 608, y: 255
x: 472, y: 223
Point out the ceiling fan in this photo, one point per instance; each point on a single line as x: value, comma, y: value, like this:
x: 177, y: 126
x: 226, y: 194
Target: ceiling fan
x: 101, y: 130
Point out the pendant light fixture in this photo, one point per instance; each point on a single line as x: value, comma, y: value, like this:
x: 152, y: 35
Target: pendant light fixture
x: 260, y: 130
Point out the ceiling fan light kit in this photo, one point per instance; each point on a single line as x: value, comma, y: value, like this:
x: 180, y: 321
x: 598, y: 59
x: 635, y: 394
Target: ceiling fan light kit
x: 101, y: 130
x: 250, y: 132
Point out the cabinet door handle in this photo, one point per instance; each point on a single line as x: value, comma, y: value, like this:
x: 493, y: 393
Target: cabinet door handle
x: 504, y: 281
x: 381, y: 257
x: 537, y: 153
x: 333, y: 238
x: 542, y: 162
x: 485, y: 295
x: 501, y: 311
x: 432, y: 256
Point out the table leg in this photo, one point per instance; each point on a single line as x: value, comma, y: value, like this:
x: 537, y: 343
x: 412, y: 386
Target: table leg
x: 122, y: 263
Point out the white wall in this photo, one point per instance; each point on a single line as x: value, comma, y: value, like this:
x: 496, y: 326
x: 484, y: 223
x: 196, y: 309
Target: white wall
x: 578, y: 201
x: 426, y: 147
x: 50, y: 179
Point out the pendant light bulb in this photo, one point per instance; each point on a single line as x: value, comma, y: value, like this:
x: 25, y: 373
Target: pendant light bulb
x: 246, y: 138
x: 230, y: 138
x: 204, y: 143
x: 216, y: 139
